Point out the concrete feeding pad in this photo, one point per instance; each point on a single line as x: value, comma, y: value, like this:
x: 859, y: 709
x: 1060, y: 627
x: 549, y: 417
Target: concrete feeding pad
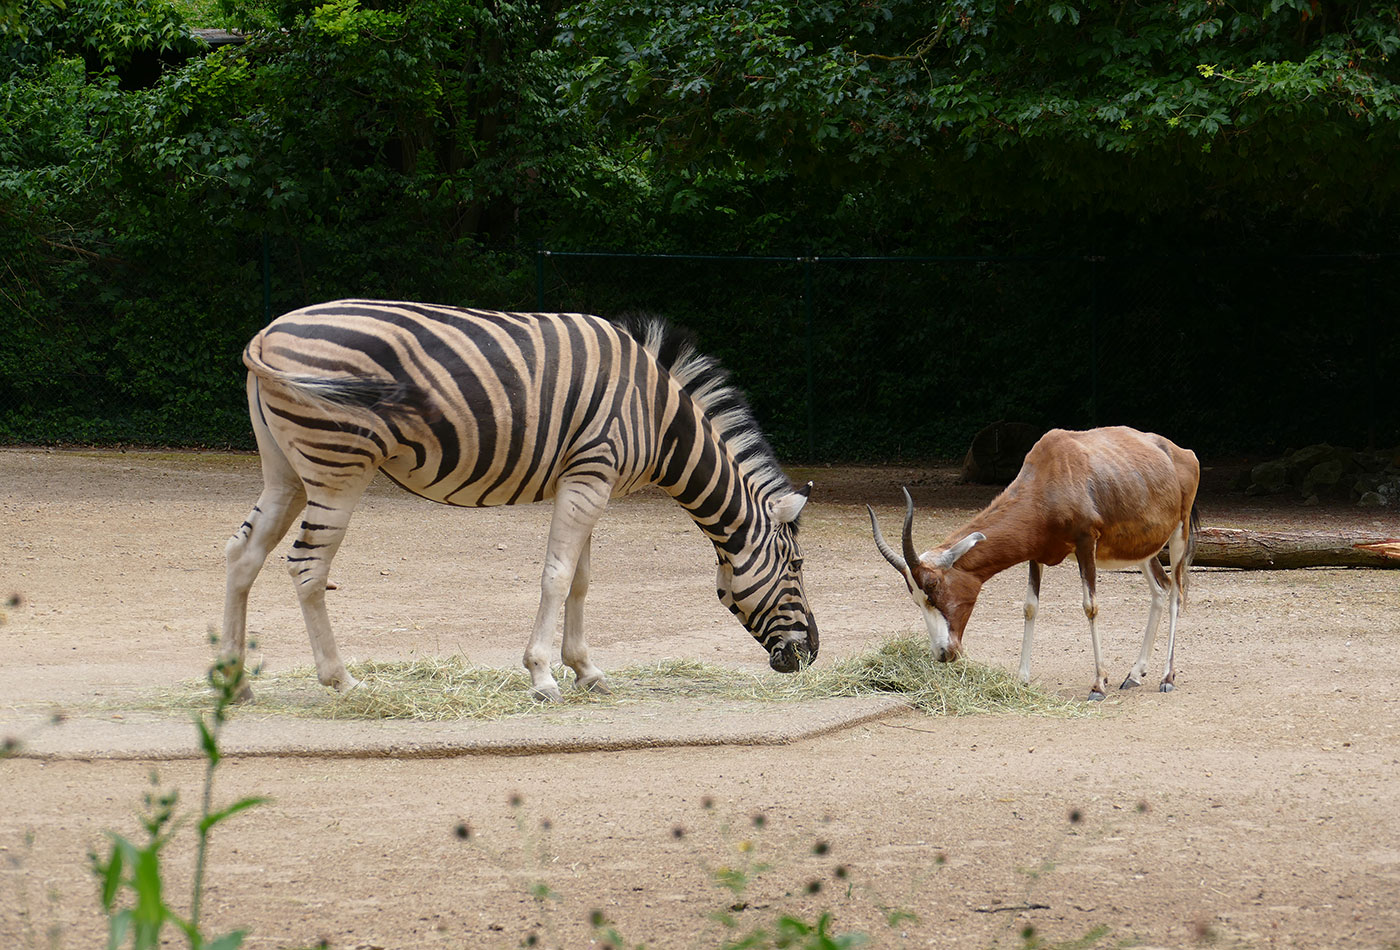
x: 142, y: 735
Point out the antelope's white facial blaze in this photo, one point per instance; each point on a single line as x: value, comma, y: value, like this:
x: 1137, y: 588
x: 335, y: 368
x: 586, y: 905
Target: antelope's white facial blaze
x: 939, y: 640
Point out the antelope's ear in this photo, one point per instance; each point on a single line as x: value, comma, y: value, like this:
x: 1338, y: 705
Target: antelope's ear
x: 788, y: 507
x: 950, y: 557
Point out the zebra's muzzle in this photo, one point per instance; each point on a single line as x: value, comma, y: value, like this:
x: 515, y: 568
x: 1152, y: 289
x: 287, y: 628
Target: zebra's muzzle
x: 786, y: 658
x: 791, y: 655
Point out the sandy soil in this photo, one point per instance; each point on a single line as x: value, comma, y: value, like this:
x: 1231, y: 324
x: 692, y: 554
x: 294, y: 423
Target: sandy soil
x: 1253, y: 807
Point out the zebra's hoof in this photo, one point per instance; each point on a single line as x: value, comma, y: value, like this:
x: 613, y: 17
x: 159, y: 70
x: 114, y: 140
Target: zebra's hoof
x: 1167, y: 687
x: 1096, y: 697
x: 596, y: 685
x: 546, y: 694
x: 1130, y: 683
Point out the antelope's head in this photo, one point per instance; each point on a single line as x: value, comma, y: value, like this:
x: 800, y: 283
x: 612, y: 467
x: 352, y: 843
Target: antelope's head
x: 761, y: 584
x: 944, y: 593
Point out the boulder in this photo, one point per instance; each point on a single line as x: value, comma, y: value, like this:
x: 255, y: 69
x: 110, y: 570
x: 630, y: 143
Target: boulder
x: 1268, y: 478
x: 997, y: 452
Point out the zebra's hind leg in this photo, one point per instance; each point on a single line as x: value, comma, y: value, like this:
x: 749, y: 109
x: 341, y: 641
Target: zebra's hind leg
x: 578, y: 503
x: 575, y: 649
x: 281, y: 500
x: 309, y: 563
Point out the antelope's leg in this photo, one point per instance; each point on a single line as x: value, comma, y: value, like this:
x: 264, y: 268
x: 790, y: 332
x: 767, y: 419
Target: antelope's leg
x: 1032, y: 605
x: 309, y: 564
x: 575, y: 648
x: 1180, y: 566
x: 577, y: 505
x: 1157, y: 583
x: 1087, y: 573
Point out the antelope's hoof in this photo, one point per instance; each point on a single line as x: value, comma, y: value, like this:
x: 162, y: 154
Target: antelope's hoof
x: 341, y: 683
x: 1130, y: 683
x: 1095, y: 697
x: 1167, y: 687
x: 546, y: 694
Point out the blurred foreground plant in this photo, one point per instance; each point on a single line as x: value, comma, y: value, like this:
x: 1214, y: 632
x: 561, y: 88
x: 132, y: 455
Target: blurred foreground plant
x: 137, y: 868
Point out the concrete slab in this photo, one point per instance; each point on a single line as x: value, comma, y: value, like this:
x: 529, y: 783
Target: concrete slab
x: 140, y: 735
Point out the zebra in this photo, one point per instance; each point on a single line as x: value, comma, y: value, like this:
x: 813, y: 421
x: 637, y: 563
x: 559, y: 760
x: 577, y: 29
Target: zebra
x: 476, y: 408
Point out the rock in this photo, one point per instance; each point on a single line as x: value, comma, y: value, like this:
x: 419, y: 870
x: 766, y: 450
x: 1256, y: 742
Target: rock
x: 1324, y: 477
x: 1305, y: 458
x: 1372, y: 499
x: 1324, y: 471
x: 1268, y: 478
x: 997, y: 452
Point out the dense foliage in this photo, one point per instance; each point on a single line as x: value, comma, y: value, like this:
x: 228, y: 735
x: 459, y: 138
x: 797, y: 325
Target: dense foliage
x: 989, y: 108
x: 423, y: 148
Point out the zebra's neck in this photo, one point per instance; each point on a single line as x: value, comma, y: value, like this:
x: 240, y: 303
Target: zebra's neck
x: 710, y: 455
x: 723, y: 482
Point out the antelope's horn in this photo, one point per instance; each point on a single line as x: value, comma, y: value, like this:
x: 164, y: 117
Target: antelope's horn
x: 885, y: 549
x: 911, y: 557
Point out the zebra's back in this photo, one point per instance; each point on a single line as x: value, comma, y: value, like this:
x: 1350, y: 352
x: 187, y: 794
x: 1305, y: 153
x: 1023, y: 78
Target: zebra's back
x: 465, y: 407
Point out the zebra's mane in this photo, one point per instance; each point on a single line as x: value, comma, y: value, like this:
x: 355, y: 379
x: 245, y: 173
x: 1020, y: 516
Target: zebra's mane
x: 709, y: 384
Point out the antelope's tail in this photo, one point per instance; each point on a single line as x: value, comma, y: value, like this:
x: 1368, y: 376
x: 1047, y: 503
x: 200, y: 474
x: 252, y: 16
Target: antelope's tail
x: 1193, y: 532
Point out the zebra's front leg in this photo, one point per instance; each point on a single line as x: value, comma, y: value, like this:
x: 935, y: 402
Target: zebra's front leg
x: 577, y: 506
x: 575, y: 649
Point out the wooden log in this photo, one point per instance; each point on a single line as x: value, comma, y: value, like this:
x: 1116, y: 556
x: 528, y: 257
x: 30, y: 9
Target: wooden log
x: 1284, y: 550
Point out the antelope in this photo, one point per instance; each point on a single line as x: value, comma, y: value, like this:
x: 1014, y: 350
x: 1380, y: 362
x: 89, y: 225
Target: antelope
x: 1111, y: 498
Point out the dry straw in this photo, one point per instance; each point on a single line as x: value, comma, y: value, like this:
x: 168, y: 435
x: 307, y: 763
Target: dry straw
x: 451, y: 688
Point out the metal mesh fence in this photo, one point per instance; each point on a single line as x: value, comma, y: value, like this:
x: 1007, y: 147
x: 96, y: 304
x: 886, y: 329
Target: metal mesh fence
x: 844, y: 359
x: 890, y: 358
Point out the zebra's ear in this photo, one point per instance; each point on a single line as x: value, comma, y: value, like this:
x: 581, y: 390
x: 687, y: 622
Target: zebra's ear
x: 787, y: 508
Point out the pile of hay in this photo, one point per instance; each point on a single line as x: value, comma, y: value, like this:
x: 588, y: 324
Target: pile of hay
x: 451, y: 688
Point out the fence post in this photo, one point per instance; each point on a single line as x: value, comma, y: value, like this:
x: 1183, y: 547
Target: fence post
x: 1094, y: 264
x: 540, y: 253
x: 267, y: 278
x: 809, y: 315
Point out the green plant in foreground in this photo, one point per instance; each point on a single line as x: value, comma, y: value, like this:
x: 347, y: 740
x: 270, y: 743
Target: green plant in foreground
x: 735, y: 879
x: 137, y: 868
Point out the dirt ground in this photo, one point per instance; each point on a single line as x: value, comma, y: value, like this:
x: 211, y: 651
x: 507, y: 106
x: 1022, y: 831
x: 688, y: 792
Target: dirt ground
x: 1255, y: 806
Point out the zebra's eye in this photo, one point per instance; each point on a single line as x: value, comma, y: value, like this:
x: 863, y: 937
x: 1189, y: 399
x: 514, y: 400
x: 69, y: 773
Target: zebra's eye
x: 797, y: 564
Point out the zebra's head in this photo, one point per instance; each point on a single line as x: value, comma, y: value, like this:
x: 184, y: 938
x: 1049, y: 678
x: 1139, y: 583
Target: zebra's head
x: 761, y: 584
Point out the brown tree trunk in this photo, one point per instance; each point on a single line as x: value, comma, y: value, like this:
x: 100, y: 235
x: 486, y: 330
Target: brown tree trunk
x: 1281, y: 550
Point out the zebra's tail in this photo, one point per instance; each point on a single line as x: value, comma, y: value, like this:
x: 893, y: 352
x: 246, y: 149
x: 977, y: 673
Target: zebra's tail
x: 383, y: 396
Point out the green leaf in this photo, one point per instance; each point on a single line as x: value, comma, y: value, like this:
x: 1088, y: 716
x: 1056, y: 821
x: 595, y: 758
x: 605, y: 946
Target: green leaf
x: 229, y: 941
x: 213, y: 818
x: 118, y: 925
x: 207, y: 741
x: 111, y: 874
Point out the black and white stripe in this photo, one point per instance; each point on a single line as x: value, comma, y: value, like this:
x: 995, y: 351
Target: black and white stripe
x: 476, y: 408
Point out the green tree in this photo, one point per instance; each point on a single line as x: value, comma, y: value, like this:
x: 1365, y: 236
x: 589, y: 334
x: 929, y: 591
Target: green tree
x: 987, y: 107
